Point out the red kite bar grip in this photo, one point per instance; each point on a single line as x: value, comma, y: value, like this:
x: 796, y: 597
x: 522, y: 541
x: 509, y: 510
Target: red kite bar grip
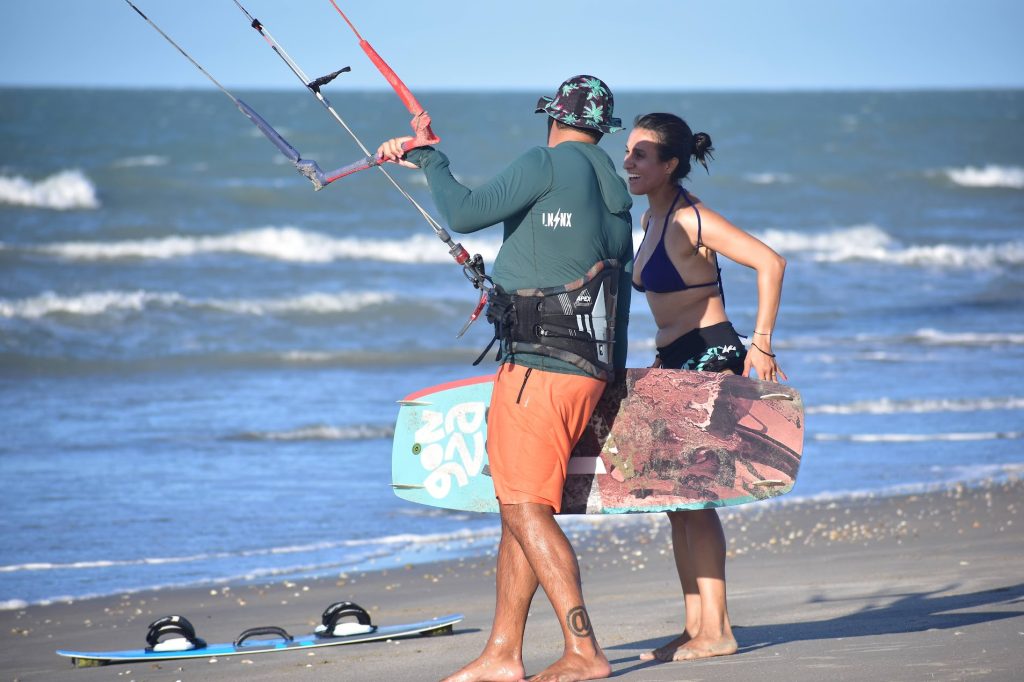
x: 420, y: 119
x: 392, y: 78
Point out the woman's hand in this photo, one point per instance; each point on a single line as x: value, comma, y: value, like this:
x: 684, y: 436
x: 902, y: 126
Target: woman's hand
x: 657, y: 361
x: 392, y: 151
x: 761, y: 358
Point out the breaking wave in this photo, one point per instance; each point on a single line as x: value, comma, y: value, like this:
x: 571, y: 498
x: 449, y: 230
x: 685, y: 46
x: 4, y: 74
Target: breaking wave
x: 292, y: 244
x: 147, y: 160
x: 64, y: 191
x: 987, y: 176
x: 321, y: 432
x: 277, y: 243
x: 768, y: 178
x: 108, y: 302
x: 871, y: 243
x: 889, y: 406
x: 919, y: 337
x: 918, y: 437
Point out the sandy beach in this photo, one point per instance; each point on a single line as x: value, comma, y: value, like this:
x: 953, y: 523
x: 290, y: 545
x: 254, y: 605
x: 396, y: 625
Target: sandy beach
x: 916, y: 587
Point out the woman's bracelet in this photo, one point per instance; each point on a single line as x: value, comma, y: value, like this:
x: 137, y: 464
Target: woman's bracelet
x: 763, y: 333
x: 754, y: 345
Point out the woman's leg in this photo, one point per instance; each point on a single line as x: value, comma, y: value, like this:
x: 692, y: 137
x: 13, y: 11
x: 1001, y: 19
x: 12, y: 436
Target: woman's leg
x: 705, y: 541
x: 691, y: 594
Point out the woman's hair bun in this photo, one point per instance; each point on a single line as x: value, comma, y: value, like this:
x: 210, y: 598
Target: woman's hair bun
x: 702, y: 149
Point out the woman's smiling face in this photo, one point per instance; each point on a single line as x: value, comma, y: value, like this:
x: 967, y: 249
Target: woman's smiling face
x: 646, y: 171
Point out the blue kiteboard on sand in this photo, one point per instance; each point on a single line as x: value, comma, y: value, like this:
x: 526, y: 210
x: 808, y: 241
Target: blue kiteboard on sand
x: 174, y: 637
x: 659, y: 440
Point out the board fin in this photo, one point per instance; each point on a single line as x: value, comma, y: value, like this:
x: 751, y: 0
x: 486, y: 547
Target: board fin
x: 769, y: 483
x: 89, y: 662
x: 443, y: 630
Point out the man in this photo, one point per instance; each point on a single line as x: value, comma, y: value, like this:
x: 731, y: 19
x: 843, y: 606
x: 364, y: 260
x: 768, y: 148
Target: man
x: 560, y: 309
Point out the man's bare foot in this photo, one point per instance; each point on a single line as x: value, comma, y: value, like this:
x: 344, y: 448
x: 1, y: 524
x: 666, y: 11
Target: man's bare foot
x: 666, y: 652
x: 706, y: 647
x: 574, y: 668
x: 491, y: 669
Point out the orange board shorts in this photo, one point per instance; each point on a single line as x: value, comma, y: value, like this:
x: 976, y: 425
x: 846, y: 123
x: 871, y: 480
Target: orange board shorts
x: 535, y: 419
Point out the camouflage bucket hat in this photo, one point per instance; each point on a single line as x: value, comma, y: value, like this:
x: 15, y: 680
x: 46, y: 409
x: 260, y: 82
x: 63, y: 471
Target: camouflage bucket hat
x: 583, y: 101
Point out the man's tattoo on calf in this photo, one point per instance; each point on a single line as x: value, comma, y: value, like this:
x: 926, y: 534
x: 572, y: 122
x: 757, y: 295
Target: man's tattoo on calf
x: 579, y: 622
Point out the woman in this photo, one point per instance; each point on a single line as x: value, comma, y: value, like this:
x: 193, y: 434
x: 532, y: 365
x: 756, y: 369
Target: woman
x: 677, y: 267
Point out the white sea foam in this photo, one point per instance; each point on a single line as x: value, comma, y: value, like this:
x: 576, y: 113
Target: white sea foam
x: 388, y: 542
x: 975, y: 257
x: 314, y: 303
x: 146, y: 160
x: 768, y: 178
x: 948, y: 478
x: 920, y: 337
x: 918, y: 437
x: 64, y: 191
x: 934, y: 337
x: 857, y: 243
x: 841, y: 240
x: 108, y: 302
x: 987, y: 176
x: 871, y: 243
x: 324, y: 432
x: 92, y: 303
x: 888, y: 406
x: 278, y: 243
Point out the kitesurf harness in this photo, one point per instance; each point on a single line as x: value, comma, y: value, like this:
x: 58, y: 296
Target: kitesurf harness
x: 574, y: 323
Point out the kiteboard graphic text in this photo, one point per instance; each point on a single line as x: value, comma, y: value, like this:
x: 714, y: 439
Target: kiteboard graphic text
x: 452, y: 446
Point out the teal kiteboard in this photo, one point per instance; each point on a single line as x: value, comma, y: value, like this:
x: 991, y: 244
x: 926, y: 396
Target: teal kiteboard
x: 174, y: 637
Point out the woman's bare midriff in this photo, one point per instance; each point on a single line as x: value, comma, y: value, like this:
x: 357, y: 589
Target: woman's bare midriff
x: 679, y: 312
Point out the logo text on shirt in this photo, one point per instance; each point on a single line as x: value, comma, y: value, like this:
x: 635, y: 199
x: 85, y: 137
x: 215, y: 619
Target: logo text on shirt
x: 556, y: 220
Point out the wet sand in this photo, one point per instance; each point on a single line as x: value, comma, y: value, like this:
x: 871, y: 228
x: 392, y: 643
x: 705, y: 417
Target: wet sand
x: 918, y: 587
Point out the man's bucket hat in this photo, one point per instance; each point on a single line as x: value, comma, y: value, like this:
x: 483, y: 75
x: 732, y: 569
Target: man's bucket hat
x: 582, y: 101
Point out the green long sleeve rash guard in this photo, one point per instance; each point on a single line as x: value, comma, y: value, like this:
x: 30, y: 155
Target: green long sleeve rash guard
x: 563, y: 208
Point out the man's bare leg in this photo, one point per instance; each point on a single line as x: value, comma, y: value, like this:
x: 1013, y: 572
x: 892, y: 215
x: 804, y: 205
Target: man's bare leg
x: 502, y: 657
x: 554, y: 564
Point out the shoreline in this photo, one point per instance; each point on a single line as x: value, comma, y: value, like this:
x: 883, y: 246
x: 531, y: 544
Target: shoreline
x: 480, y: 536
x: 916, y: 586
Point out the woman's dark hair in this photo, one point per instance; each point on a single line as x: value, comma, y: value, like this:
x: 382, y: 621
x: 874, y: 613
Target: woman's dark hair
x: 677, y: 142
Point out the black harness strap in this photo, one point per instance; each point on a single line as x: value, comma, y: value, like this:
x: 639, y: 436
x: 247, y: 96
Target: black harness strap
x: 574, y: 323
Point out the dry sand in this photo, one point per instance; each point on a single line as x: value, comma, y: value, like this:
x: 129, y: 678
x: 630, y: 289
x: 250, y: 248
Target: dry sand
x: 919, y: 587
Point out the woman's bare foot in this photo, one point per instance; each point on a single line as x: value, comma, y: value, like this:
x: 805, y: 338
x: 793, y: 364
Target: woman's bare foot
x: 666, y: 652
x: 490, y: 668
x: 574, y: 668
x: 706, y: 647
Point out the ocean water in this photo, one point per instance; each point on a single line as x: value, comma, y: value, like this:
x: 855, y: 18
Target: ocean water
x: 200, y: 356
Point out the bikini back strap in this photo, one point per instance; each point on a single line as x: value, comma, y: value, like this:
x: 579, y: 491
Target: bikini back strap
x: 700, y: 239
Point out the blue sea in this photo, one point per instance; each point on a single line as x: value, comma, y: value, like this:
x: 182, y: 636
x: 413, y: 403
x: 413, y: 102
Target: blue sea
x: 200, y: 356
